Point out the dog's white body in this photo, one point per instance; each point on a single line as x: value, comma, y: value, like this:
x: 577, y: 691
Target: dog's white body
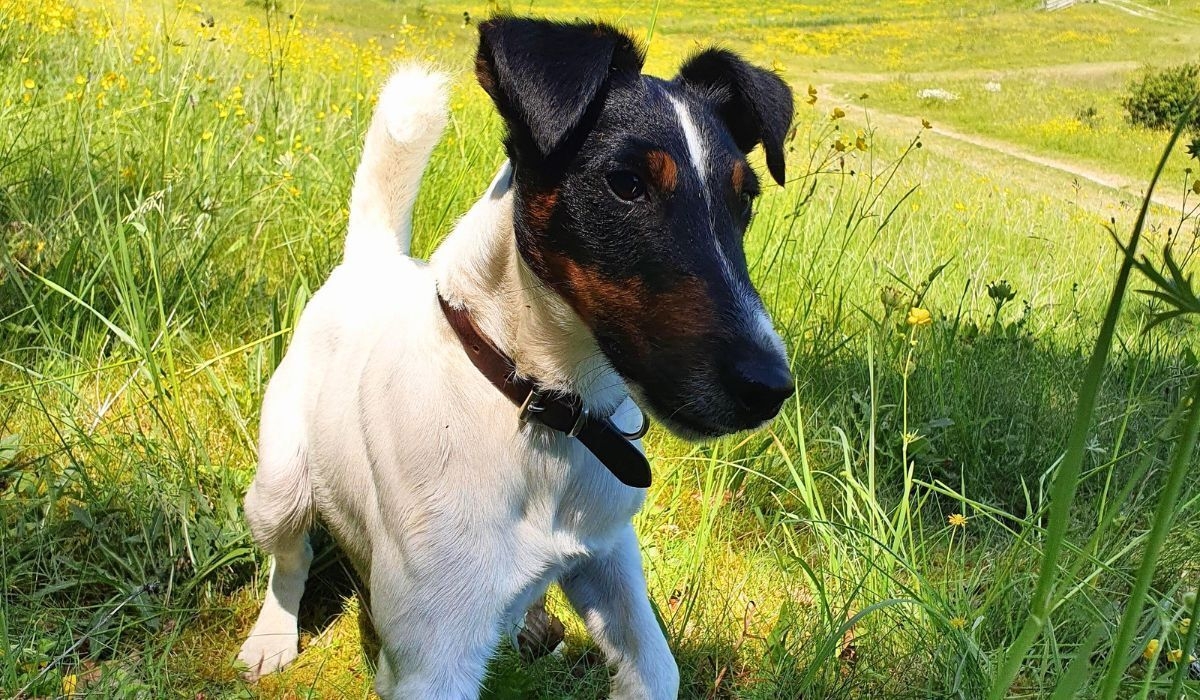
x: 457, y: 517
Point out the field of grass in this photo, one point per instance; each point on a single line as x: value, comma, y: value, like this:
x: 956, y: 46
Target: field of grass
x: 173, y: 186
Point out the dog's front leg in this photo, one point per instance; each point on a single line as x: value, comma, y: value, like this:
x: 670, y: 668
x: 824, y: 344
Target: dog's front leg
x: 437, y: 629
x: 609, y: 593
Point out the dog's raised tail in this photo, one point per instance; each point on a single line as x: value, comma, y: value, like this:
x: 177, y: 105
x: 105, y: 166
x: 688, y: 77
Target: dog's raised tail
x: 408, y: 121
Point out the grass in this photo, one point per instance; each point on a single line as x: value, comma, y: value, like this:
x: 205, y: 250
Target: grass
x: 172, y: 192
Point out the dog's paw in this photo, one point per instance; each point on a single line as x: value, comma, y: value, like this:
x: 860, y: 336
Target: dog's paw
x: 414, y: 104
x: 265, y: 653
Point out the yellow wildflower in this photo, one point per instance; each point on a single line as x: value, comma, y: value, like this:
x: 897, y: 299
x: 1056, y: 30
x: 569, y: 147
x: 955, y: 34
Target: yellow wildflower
x: 1151, y: 649
x: 1184, y: 625
x: 70, y: 683
x: 1196, y: 186
x: 925, y: 124
x: 206, y: 136
x: 80, y: 80
x: 1175, y: 655
x: 918, y: 317
x: 860, y: 143
x: 958, y: 622
x: 838, y: 113
x: 957, y: 520
x: 812, y: 95
x: 30, y: 84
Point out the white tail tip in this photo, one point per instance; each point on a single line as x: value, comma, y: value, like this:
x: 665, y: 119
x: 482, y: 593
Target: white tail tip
x: 415, y: 104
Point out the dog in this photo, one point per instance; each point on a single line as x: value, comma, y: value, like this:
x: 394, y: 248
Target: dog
x: 468, y: 429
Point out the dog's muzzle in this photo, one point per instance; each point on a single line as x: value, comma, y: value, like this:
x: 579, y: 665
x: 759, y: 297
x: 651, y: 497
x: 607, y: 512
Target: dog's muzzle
x: 564, y: 413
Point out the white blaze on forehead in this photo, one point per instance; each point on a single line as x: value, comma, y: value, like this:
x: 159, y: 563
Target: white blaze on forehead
x: 696, y: 151
x: 691, y: 135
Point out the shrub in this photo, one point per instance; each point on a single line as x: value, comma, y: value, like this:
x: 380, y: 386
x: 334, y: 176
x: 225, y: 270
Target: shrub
x: 1157, y: 98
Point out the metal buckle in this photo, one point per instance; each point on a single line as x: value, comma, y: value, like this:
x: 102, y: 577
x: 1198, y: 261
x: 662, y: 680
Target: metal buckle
x: 530, y: 406
x: 584, y: 415
x: 640, y: 432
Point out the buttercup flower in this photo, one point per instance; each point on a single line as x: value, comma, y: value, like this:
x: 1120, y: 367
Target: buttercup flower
x: 838, y: 113
x: 1151, y: 649
x: 1175, y: 655
x: 918, y: 318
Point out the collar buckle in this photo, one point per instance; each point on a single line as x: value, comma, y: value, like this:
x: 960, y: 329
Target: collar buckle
x: 531, y: 406
x: 584, y: 416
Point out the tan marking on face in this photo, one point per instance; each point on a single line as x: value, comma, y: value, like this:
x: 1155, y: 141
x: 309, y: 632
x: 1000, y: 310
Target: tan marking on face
x: 540, y: 208
x: 646, y: 319
x: 663, y: 171
x: 738, y: 178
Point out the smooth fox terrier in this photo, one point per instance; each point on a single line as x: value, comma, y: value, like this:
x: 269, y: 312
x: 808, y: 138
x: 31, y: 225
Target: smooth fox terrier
x: 466, y: 428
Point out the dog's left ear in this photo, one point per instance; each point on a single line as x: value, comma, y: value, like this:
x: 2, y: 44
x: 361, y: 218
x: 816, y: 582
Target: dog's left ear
x: 544, y: 76
x: 755, y: 104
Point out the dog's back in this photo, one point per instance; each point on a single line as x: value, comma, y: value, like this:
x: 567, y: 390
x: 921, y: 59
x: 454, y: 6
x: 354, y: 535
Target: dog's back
x: 406, y: 125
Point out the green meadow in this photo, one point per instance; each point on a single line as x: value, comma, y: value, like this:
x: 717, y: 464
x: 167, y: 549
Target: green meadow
x: 984, y: 487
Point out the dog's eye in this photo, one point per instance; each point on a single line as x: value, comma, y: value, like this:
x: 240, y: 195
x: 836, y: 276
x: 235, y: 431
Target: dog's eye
x: 626, y: 185
x: 747, y: 202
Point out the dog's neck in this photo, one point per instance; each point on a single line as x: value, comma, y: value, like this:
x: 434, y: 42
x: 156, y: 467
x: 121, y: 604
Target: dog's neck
x: 479, y: 267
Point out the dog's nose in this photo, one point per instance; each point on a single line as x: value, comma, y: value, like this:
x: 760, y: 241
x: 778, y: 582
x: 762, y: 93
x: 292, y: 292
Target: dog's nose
x: 759, y: 384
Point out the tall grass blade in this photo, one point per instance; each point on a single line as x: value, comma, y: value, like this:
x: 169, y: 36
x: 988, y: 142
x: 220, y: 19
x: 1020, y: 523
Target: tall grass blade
x: 1066, y: 482
x: 1164, y: 515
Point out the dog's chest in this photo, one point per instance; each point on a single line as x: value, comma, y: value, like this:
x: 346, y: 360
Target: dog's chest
x: 573, y: 498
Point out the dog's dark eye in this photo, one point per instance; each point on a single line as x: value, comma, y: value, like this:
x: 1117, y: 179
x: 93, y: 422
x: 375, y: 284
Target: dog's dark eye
x: 626, y: 185
x: 747, y: 202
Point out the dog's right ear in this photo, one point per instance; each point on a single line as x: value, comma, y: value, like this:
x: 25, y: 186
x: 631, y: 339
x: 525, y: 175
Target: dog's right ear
x: 544, y: 76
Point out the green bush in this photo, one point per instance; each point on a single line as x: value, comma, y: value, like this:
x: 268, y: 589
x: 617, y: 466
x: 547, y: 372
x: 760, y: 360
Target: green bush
x: 1159, y: 96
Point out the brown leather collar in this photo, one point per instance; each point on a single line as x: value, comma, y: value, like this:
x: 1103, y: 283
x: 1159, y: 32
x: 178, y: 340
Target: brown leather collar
x: 562, y: 412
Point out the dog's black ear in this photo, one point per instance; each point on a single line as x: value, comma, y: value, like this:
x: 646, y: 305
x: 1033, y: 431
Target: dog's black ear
x: 543, y: 76
x: 755, y: 104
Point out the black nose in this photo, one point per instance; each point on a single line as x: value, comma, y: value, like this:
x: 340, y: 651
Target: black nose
x: 759, y: 384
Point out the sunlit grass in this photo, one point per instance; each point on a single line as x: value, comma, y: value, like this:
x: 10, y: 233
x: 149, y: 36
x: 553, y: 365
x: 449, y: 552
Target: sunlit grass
x: 172, y: 192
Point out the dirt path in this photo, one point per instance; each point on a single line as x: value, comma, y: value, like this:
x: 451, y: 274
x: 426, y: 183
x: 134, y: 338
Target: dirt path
x: 1047, y: 174
x: 1146, y: 12
x: 1059, y: 70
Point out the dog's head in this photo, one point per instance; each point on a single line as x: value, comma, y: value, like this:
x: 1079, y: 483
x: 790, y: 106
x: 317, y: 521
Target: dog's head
x: 632, y: 195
